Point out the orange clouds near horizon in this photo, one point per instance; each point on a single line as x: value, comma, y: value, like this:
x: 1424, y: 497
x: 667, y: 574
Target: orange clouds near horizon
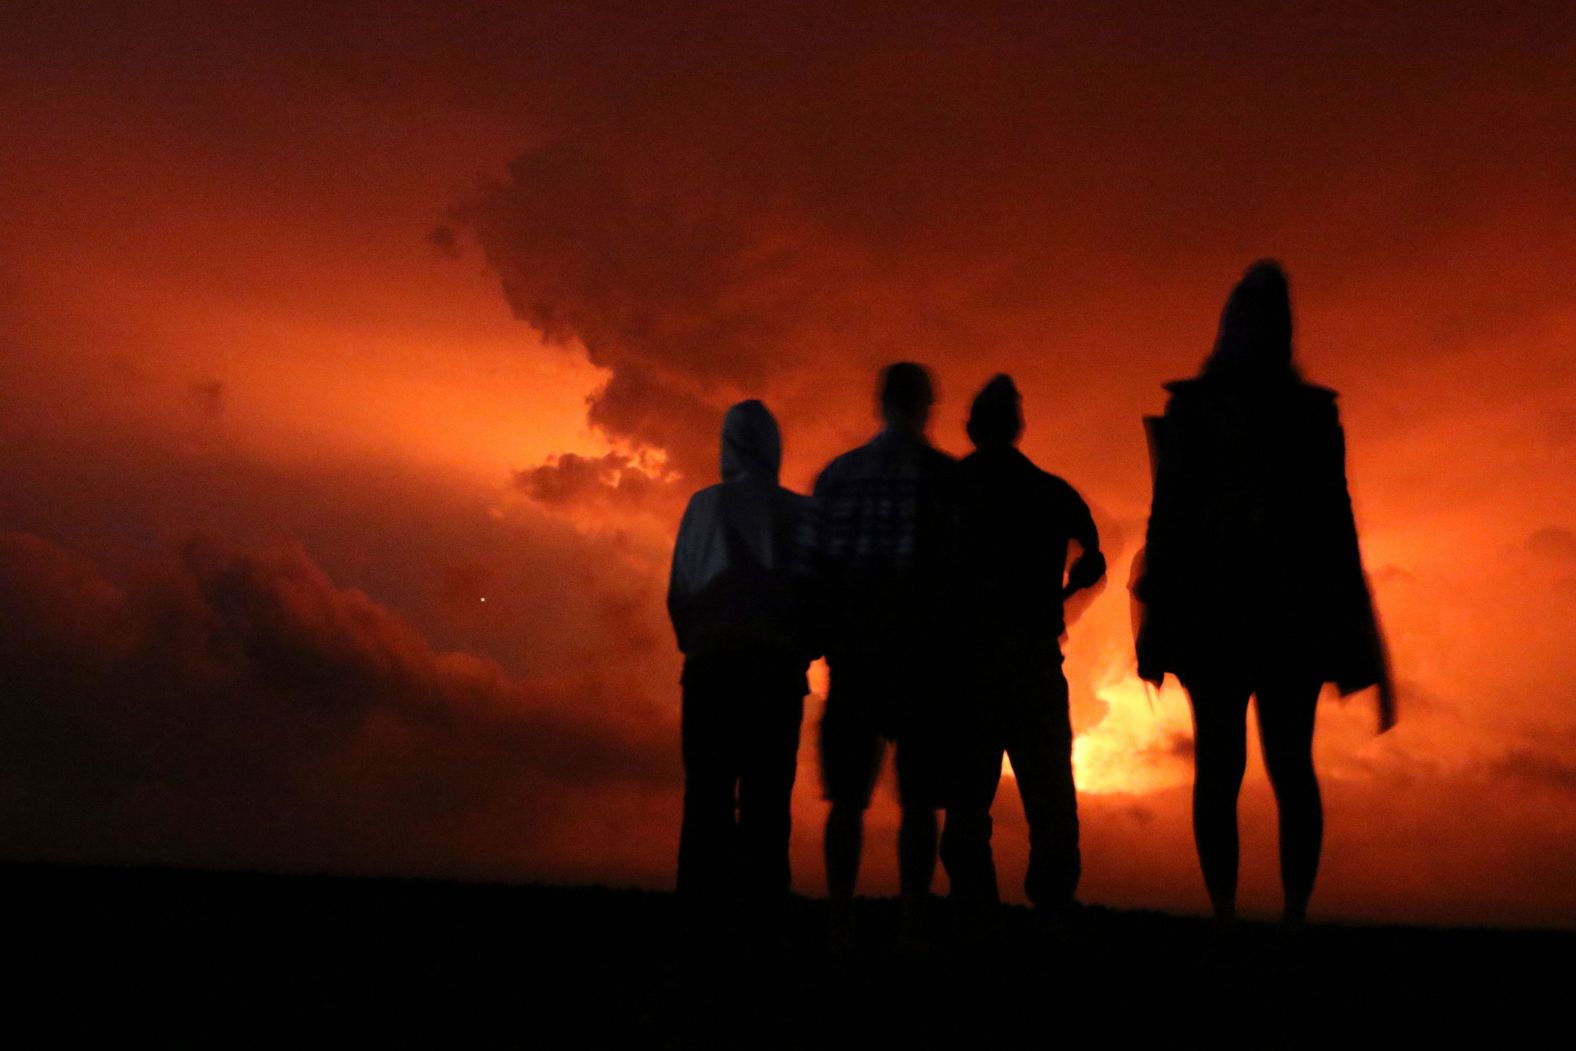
x: 402, y: 310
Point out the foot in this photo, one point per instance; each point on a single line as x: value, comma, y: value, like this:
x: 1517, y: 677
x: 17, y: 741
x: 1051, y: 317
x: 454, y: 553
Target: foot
x: 912, y: 933
x: 977, y: 924
x: 1057, y: 924
x: 840, y: 934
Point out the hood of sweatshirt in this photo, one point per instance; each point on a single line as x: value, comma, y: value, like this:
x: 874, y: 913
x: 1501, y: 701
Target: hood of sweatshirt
x: 751, y: 443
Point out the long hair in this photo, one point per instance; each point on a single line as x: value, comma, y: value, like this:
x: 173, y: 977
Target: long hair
x: 1254, y: 341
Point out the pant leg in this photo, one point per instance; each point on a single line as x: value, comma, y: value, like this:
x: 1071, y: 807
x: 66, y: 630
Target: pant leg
x: 1040, y: 744
x: 975, y: 774
x: 770, y: 761
x: 707, y: 837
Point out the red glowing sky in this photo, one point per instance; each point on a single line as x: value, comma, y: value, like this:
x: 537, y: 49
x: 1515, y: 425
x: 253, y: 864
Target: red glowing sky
x: 392, y: 311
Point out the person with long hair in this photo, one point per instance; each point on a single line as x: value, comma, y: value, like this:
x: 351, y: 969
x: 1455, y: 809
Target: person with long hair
x: 1252, y: 583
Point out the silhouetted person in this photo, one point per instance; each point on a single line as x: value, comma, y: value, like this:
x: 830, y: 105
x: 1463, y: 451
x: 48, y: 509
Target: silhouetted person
x: 1016, y: 526
x: 1253, y: 584
x: 888, y: 517
x: 737, y: 597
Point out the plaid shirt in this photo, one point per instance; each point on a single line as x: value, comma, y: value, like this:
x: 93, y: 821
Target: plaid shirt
x: 887, y: 515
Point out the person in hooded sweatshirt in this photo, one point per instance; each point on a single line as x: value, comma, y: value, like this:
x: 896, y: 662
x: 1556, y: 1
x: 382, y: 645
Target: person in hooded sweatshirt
x: 739, y: 597
x: 1252, y: 583
x: 1018, y: 524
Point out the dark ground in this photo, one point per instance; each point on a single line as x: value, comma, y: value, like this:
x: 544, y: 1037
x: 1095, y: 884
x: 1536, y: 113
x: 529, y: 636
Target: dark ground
x: 222, y: 959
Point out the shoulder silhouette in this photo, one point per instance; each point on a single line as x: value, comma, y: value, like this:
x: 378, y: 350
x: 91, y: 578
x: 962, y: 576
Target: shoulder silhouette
x: 1252, y: 584
x: 740, y: 599
x: 1017, y: 523
x: 888, y: 515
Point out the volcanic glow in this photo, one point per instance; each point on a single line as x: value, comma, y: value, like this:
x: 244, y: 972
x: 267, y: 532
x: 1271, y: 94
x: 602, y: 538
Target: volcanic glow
x: 318, y: 327
x: 1133, y: 749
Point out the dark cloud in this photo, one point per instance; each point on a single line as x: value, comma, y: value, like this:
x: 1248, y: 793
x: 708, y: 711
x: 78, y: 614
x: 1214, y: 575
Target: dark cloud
x: 209, y: 396
x: 242, y: 708
x: 1553, y: 542
x: 672, y: 290
x: 1538, y: 768
x: 445, y: 239
x: 768, y: 202
x: 570, y: 479
x: 1559, y: 426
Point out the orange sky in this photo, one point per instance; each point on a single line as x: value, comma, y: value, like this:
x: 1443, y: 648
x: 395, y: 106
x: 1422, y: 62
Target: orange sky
x: 375, y: 303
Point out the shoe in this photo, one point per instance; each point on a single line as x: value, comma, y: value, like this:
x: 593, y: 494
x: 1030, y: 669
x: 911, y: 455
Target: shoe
x: 840, y: 933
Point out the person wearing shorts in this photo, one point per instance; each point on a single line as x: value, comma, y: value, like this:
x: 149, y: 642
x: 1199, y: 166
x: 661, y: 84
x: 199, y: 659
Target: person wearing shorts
x: 887, y: 518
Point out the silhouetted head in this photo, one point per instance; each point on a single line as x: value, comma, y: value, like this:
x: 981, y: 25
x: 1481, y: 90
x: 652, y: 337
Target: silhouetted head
x: 996, y: 417
x: 1255, y: 328
x: 751, y: 443
x: 906, y: 395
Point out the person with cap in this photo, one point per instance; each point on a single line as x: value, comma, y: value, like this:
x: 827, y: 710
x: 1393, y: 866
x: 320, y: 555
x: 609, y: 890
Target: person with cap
x: 1017, y: 526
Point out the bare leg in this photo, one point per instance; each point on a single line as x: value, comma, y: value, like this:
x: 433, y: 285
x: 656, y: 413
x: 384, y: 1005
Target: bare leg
x: 916, y: 857
x: 1286, y: 719
x: 1220, y: 756
x: 845, y: 835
